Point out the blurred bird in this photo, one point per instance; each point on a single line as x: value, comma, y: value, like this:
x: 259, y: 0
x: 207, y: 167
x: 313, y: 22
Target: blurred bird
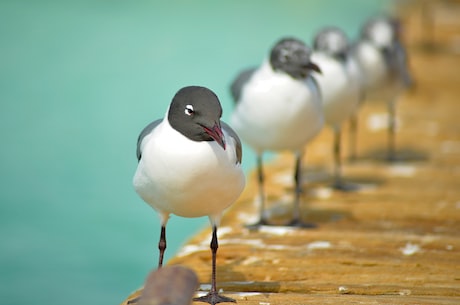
x: 341, y: 89
x: 190, y: 165
x: 278, y: 107
x: 382, y: 59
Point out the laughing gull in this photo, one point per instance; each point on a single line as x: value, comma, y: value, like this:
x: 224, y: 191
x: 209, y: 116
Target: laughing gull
x: 383, y: 60
x: 340, y: 86
x: 190, y: 166
x: 278, y: 107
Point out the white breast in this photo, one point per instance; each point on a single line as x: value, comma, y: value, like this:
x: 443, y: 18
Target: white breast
x: 187, y: 178
x: 380, y: 82
x: 340, y: 91
x: 276, y: 112
x: 372, y: 64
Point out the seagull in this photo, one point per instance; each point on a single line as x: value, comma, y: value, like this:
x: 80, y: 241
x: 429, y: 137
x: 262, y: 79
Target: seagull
x: 278, y: 107
x: 340, y: 86
x: 190, y: 166
x: 382, y: 58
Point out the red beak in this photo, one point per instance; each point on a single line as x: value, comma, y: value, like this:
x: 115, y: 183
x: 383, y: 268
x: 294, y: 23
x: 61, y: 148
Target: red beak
x: 216, y: 133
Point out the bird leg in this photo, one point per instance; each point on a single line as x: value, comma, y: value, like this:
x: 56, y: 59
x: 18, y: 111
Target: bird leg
x: 162, y: 248
x: 391, y: 130
x: 338, y: 183
x: 298, y: 189
x: 353, y: 136
x: 296, y: 220
x: 213, y: 297
x: 261, y: 180
x: 162, y: 245
x: 337, y: 160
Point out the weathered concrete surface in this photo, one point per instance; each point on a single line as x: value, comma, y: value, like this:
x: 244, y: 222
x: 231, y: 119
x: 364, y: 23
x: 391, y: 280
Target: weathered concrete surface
x: 396, y: 241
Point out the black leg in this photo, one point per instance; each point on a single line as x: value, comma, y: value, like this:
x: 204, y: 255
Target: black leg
x: 213, y: 297
x: 162, y: 245
x: 296, y: 220
x: 337, y: 158
x: 391, y: 130
x: 162, y: 248
x: 353, y: 136
x: 261, y: 181
x: 339, y: 184
x: 298, y: 188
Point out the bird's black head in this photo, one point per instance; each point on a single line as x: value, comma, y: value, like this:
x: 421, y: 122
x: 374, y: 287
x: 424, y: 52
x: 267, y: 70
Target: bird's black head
x: 195, y: 112
x: 332, y: 41
x: 292, y: 56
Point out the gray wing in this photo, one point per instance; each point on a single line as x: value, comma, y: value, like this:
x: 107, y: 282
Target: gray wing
x: 232, y: 133
x: 240, y: 81
x: 147, y: 130
x: 402, y: 63
x: 396, y: 59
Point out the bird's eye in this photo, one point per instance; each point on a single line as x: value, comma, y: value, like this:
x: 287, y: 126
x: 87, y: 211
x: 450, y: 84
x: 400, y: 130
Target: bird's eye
x: 189, y: 110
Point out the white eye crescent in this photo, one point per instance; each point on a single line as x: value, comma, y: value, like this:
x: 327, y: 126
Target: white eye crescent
x: 189, y: 110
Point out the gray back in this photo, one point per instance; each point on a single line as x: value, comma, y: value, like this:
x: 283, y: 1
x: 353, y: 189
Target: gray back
x: 147, y: 130
x: 232, y: 133
x: 240, y: 81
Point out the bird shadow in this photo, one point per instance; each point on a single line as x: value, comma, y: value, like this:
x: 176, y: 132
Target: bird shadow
x: 320, y: 179
x: 325, y: 216
x: 434, y: 48
x: 280, y: 214
x: 402, y: 155
x: 232, y: 281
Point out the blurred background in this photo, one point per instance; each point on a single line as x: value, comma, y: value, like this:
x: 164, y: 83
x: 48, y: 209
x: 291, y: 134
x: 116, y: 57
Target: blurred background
x: 78, y: 82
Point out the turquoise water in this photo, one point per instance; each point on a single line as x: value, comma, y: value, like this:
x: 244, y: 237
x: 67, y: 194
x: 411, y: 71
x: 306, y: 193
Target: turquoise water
x: 78, y: 81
